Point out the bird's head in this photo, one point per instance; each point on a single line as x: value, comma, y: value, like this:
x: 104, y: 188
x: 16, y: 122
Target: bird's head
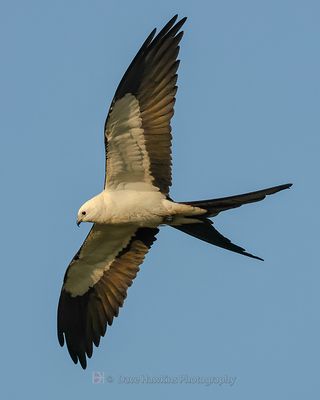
x: 83, y: 214
x: 90, y: 211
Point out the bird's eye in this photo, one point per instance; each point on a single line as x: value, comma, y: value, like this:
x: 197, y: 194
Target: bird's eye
x: 83, y: 213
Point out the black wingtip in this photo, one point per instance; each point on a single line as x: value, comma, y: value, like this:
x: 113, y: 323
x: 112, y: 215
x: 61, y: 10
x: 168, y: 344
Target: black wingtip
x: 172, y: 24
x: 175, y: 17
x: 169, y: 25
x: 179, y: 24
x: 79, y: 357
x: 149, y: 38
x: 61, y: 339
x: 153, y: 32
x: 83, y: 362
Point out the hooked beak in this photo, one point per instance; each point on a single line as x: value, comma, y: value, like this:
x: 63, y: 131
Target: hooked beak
x: 78, y: 222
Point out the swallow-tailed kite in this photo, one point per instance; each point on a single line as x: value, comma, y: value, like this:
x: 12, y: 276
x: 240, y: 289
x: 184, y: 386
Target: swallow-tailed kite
x: 135, y: 201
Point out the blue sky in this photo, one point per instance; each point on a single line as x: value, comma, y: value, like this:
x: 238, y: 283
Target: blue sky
x: 247, y: 117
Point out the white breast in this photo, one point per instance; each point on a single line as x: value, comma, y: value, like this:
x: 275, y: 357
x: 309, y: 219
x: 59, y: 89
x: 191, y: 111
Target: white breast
x: 144, y: 208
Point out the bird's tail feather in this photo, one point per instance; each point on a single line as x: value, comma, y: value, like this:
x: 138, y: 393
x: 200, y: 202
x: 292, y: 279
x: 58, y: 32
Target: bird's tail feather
x: 206, y: 232
x: 215, y: 206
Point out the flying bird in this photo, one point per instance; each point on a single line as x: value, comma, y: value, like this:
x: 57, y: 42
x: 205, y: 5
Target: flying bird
x: 135, y: 201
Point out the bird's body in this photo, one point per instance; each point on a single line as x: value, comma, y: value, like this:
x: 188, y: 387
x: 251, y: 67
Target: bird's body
x: 135, y: 202
x: 141, y: 208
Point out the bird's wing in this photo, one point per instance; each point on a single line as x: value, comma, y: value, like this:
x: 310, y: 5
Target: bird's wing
x: 137, y: 129
x: 96, y: 283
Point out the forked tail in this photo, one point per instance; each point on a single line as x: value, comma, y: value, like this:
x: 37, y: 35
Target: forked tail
x: 205, y: 231
x: 215, y: 206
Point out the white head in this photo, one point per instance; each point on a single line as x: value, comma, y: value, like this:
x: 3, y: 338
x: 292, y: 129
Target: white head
x: 91, y: 210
